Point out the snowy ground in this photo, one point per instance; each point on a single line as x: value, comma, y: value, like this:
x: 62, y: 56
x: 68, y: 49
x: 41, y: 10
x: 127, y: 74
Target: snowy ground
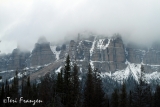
x: 131, y: 70
x: 53, y: 48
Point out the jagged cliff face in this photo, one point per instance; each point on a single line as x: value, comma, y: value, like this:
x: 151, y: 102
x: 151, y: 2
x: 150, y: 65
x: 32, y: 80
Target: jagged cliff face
x: 114, y: 59
x: 15, y: 60
x: 150, y: 57
x: 108, y: 54
x: 3, y: 62
x: 41, y: 55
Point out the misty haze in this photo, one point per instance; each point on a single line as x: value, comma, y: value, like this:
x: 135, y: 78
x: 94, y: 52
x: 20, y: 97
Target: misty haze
x: 80, y: 53
x: 23, y: 22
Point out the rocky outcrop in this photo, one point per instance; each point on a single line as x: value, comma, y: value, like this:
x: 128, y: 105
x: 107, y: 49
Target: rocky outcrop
x: 134, y: 54
x: 3, y: 61
x: 111, y: 52
x: 152, y: 55
x: 41, y: 54
x: 63, y: 50
x: 83, y: 50
x: 108, y: 54
x: 149, y: 57
x: 15, y: 60
x: 72, y: 49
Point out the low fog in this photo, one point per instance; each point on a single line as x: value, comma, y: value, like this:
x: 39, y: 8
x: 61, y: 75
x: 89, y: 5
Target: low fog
x: 22, y: 22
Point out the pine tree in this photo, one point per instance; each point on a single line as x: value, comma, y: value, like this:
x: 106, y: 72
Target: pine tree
x: 89, y: 89
x: 141, y: 93
x: 2, y: 95
x: 115, y: 98
x: 142, y: 79
x: 34, y: 91
x: 98, y: 90
x: 130, y: 102
x: 7, y: 92
x: 156, y: 102
x: 46, y: 90
x: 29, y: 89
x: 59, y: 82
x: 106, y: 101
x: 76, y: 87
x: 7, y: 89
x: 123, y: 96
x: 15, y: 87
x: 59, y: 97
x: 26, y: 91
x: 67, y: 84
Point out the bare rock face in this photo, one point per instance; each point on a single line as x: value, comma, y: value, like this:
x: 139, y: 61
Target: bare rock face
x: 15, y: 60
x: 72, y: 49
x: 119, y: 50
x: 80, y: 50
x: 83, y: 50
x: 63, y: 50
x: 152, y: 56
x: 134, y: 56
x: 149, y: 56
x: 3, y: 62
x: 41, y: 54
x: 114, y: 54
x: 106, y: 54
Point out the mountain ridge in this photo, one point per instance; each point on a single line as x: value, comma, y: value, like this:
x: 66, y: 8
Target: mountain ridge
x: 109, y: 54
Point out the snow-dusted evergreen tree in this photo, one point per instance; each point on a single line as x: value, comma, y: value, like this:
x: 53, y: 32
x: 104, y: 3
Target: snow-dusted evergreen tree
x: 156, y: 98
x: 76, y: 87
x: 98, y: 90
x: 15, y: 85
x: 115, y: 98
x: 142, y: 92
x: 60, y: 83
x: 2, y: 95
x: 130, y: 99
x: 123, y: 96
x: 89, y: 89
x: 68, y: 86
x: 46, y: 90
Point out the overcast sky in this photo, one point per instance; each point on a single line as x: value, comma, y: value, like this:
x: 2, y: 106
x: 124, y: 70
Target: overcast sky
x: 23, y: 21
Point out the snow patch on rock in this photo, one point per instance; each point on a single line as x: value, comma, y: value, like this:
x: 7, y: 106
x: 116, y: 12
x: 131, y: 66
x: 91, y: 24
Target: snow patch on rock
x: 58, y: 70
x: 100, y: 44
x: 53, y: 48
x: 93, y: 45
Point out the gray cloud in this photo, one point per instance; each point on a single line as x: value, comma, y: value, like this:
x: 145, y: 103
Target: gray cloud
x: 23, y: 22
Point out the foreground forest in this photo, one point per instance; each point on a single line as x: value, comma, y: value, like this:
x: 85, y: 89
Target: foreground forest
x: 67, y: 89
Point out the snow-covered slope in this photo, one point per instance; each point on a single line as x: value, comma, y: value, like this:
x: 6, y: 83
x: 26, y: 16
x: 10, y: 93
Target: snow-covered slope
x: 53, y: 48
x: 132, y: 70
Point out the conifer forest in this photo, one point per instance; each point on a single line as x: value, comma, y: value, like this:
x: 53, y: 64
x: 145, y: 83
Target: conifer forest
x: 66, y: 89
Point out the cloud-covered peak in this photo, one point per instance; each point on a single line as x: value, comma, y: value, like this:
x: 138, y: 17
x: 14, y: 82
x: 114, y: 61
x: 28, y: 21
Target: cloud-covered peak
x: 22, y: 22
x: 42, y: 40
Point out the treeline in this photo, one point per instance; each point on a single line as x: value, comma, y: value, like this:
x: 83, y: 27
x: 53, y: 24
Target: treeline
x: 66, y: 89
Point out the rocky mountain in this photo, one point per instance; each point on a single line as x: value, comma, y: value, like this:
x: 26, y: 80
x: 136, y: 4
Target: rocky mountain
x: 15, y: 60
x: 110, y: 55
x: 41, y: 54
